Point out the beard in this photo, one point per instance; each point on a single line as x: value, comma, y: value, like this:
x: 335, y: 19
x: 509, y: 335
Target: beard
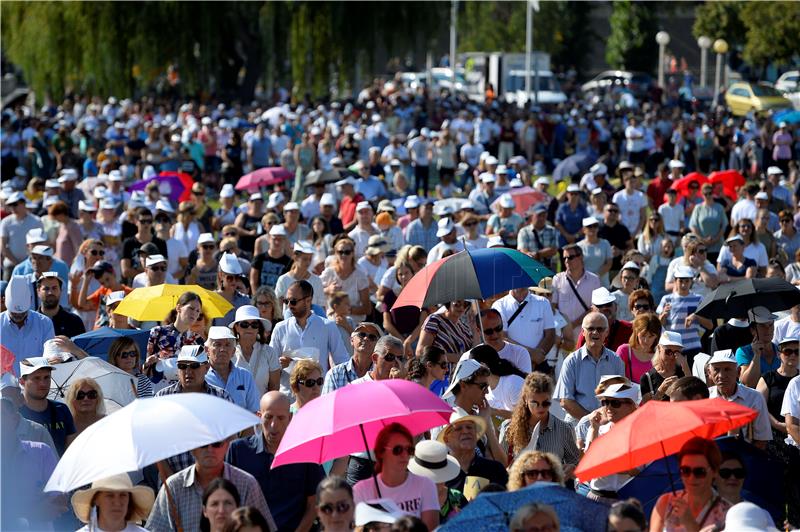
x: 50, y: 303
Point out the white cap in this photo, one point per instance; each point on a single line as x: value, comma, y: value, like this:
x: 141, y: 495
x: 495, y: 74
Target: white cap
x: 275, y: 199
x: 68, y: 174
x: 671, y: 338
x: 304, y: 246
x: 723, y: 356
x: 115, y: 297
x: 349, y: 180
x: 542, y: 181
x: 446, y: 227
x: 735, y: 238
x: 599, y: 169
x: 589, y: 221
x: 762, y: 196
x: 29, y: 365
x: 115, y: 175
x: 363, y: 205
x: 220, y: 333
x: 774, y: 170
x: 601, y: 296
x: 278, y: 230
x: 228, y: 263
x: 760, y: 314
x: 501, y: 169
x: 108, y: 203
x: 205, y: 238
x: 14, y: 197
x: 35, y: 236
x: 377, y: 511
x: 291, y: 206
x: 630, y: 265
x: 18, y: 294
x: 491, y: 161
x: 45, y: 251
x: 52, y: 183
x: 463, y: 370
x: 622, y: 391
x: 411, y: 202
x: 227, y: 191
x: 87, y: 206
x: 676, y: 164
x: 507, y: 202
x: 327, y: 199
x: 193, y: 353
x: 684, y: 272
x: 154, y: 259
x: 705, y: 129
x: 256, y: 196
x: 486, y: 177
x: 165, y: 206
x: 495, y: 242
x: 747, y: 517
x: 573, y: 188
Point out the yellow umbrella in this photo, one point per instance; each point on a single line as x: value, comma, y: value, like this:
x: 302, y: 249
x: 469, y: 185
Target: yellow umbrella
x: 153, y: 303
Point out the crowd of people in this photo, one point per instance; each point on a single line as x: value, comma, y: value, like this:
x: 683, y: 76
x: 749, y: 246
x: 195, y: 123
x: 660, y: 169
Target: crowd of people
x: 312, y: 265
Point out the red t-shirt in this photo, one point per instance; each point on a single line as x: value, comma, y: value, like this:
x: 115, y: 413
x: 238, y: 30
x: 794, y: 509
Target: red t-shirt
x: 347, y: 208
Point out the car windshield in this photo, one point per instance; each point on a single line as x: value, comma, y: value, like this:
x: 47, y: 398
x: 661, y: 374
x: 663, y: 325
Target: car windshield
x: 764, y: 90
x: 516, y: 82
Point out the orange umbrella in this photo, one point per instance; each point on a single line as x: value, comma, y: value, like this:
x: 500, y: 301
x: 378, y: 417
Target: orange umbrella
x: 657, y: 430
x: 730, y: 179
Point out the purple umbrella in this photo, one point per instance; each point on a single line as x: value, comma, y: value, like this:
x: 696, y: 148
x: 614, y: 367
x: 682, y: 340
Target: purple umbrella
x: 176, y: 184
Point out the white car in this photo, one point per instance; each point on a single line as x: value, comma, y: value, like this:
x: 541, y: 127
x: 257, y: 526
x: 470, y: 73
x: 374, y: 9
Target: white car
x: 789, y: 81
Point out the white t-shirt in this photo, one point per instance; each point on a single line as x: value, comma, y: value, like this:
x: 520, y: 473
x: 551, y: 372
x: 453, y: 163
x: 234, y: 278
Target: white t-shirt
x: 286, y: 279
x: 414, y: 496
x: 744, y: 208
x: 517, y: 355
x: 791, y: 404
x: 529, y: 326
x: 755, y: 251
x: 630, y: 206
x: 673, y: 216
x: 634, y: 139
x: 507, y: 393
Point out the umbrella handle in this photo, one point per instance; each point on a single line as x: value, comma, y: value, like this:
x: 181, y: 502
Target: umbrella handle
x: 666, y: 463
x: 173, y: 509
x: 366, y: 447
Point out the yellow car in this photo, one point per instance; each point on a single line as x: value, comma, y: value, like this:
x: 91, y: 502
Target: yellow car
x: 744, y: 97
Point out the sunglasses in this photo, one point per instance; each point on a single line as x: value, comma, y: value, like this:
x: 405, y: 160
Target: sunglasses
x: 545, y: 474
x: 391, y: 357
x: 697, y: 472
x: 371, y: 337
x: 145, y: 221
x: 91, y: 394
x: 158, y: 268
x: 344, y: 252
x: 128, y: 354
x: 544, y: 404
x: 189, y: 365
x: 339, y: 508
x: 249, y: 324
x: 605, y: 306
x: 642, y: 307
x: 672, y: 352
x: 470, y: 224
x: 494, y: 330
x: 293, y: 302
x: 702, y: 251
x: 263, y: 303
x: 310, y: 383
x: 786, y: 221
x: 790, y: 352
x: 570, y: 257
x: 208, y: 246
x: 736, y: 472
x: 613, y: 403
x: 397, y: 450
x: 482, y: 385
x: 97, y: 252
x: 215, y: 445
x: 612, y: 211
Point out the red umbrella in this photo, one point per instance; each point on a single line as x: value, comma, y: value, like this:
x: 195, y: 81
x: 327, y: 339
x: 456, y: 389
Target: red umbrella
x: 638, y: 440
x: 682, y: 184
x: 730, y: 179
x: 524, y: 198
x: 263, y: 177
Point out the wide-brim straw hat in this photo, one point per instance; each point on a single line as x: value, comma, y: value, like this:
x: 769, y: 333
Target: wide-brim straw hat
x: 142, y: 497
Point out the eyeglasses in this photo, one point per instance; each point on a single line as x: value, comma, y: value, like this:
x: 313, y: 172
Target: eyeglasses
x: 544, y: 474
x: 339, y: 508
x: 397, y: 450
x: 215, y: 445
x: 293, y: 302
x: 188, y: 365
x: 145, y: 221
x: 310, y: 383
x: 701, y: 251
x: 97, y: 252
x: 790, y: 352
x: 613, y: 403
x: 786, y: 220
x: 544, y: 404
x: 570, y: 257
x: 744, y: 226
x: 391, y: 357
x: 158, y: 268
x: 344, y: 252
x: 594, y: 329
x: 642, y: 306
x: 697, y: 472
x: 482, y: 385
x: 249, y: 324
x: 81, y: 395
x: 736, y: 472
x: 672, y: 352
x: 230, y: 235
x: 494, y: 330
x: 264, y: 303
x: 367, y: 336
x: 128, y: 354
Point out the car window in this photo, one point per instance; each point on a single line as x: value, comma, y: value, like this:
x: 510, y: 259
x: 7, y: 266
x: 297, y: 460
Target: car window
x: 763, y: 90
x: 740, y: 91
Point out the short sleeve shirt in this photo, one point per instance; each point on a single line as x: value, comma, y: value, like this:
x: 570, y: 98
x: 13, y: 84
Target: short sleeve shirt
x: 414, y: 496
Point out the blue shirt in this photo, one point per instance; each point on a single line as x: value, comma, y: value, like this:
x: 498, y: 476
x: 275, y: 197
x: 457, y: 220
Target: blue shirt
x: 320, y: 333
x: 26, y: 341
x: 240, y: 386
x: 571, y: 220
x: 60, y: 267
x: 339, y: 376
x: 580, y: 375
x: 744, y: 355
x: 418, y: 235
x: 371, y: 188
x: 286, y: 488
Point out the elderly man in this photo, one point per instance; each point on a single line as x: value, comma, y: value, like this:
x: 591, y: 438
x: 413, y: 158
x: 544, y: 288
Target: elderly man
x: 529, y: 322
x: 48, y: 292
x: 54, y: 416
x: 572, y: 288
x: 154, y: 274
x: 13, y: 230
x: 363, y: 339
x: 619, y: 332
x: 583, y: 368
x: 724, y: 373
x: 290, y: 490
x: 238, y: 382
x: 539, y: 239
x: 24, y: 331
x: 461, y: 437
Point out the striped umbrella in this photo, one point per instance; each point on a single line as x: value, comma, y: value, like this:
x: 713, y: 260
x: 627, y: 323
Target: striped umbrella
x: 477, y: 274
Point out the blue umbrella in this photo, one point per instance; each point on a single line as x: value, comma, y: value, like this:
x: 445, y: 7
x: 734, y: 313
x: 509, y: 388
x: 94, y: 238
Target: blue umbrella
x: 98, y: 342
x: 790, y: 116
x: 574, y: 165
x: 493, y: 511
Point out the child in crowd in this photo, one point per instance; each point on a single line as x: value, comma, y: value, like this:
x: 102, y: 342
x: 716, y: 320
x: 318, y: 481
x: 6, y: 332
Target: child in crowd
x: 339, y: 312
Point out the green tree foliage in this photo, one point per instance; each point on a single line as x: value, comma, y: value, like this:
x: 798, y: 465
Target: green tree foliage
x: 720, y: 20
x: 631, y: 44
x: 773, y: 32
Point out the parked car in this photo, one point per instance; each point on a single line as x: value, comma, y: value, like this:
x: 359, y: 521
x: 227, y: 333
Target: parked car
x: 638, y: 83
x: 789, y: 81
x: 744, y: 97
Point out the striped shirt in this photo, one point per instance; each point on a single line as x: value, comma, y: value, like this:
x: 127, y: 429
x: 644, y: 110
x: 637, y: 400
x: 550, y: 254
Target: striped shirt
x: 556, y: 438
x: 144, y: 386
x: 448, y: 336
x: 681, y: 307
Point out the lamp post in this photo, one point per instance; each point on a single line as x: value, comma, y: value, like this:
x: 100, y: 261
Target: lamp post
x: 704, y: 43
x: 662, y: 38
x: 720, y: 48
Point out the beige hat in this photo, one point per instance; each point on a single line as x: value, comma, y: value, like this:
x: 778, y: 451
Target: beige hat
x: 545, y: 287
x: 142, y: 497
x: 460, y: 415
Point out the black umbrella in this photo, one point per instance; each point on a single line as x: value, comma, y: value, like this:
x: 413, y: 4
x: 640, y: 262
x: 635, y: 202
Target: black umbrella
x: 318, y: 177
x: 733, y: 300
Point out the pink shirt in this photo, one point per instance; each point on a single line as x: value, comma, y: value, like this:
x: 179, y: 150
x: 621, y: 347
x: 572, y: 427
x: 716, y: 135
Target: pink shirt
x: 634, y: 368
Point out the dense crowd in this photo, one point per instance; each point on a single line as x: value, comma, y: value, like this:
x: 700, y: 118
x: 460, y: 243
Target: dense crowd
x: 103, y: 197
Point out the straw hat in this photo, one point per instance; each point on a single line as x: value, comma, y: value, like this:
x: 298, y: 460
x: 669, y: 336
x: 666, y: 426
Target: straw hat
x: 432, y: 461
x: 460, y: 415
x: 142, y: 497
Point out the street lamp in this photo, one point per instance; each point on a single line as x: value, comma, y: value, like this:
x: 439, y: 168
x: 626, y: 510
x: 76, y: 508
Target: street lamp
x: 662, y: 38
x: 720, y: 48
x: 704, y: 43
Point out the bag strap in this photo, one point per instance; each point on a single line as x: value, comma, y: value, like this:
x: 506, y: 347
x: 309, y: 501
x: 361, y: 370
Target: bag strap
x: 538, y: 240
x: 708, y: 511
x: 575, y: 291
x: 516, y: 313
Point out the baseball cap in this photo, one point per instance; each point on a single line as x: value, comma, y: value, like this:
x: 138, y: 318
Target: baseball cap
x: 622, y: 391
x: 68, y: 174
x: 377, y: 511
x: 15, y: 197
x: 304, y: 246
x: 464, y: 369
x: 760, y: 315
x: 115, y: 297
x: 762, y: 196
x: 789, y: 340
x: 18, y: 294
x: 590, y: 221
x: 491, y: 161
x: 369, y: 325
x: 29, y: 365
x: 723, y: 356
x: 115, y: 175
x: 193, y: 353
x: 256, y: 196
x: 676, y: 164
x: 46, y: 251
x: 542, y: 181
x: 507, y: 202
x: 486, y: 177
x: 35, y: 236
x: 379, y: 243
x: 87, y: 206
x: 101, y: 267
x: 50, y: 275
x: 601, y: 296
x: 164, y: 206
x: 52, y: 183
x: 684, y: 272
x: 349, y: 180
x: 774, y: 170
x: 205, y: 238
x: 327, y: 199
x: 495, y: 242
x: 599, y: 169
x: 445, y: 227
x: 502, y: 169
x: 154, y: 259
x: 735, y: 238
x: 277, y: 230
x: 573, y: 188
x: 220, y: 333
x: 630, y: 265
x: 671, y: 338
x: 291, y: 206
x: 363, y: 205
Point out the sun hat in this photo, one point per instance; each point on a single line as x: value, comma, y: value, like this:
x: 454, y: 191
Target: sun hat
x: 622, y: 391
x: 87, y: 206
x: 250, y: 313
x: 601, y: 296
x: 35, y: 236
x: 411, y: 202
x: 384, y: 219
x: 218, y: 332
x: 141, y: 497
x: 18, y: 294
x: 228, y: 263
x: 747, y: 517
x: 542, y: 181
x: 545, y: 286
x: 671, y: 338
x: 15, y: 197
x: 460, y: 415
x: 378, y: 244
x: 431, y: 461
x: 464, y: 369
x: 349, y: 180
x: 734, y: 238
x: 599, y: 169
x: 763, y: 196
x: 377, y: 511
x: 723, y: 356
x: 760, y: 315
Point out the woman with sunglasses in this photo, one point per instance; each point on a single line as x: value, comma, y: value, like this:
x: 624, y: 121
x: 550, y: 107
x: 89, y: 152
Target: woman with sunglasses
x: 417, y: 495
x: 772, y: 386
x: 165, y: 341
x: 669, y: 365
x: 429, y: 369
x: 638, y: 353
x: 698, y: 505
x: 229, y: 286
x: 335, y: 505
x: 90, y: 252
x: 124, y: 354
x: 266, y: 302
x: 730, y: 477
x: 649, y: 242
x: 597, y: 253
x: 253, y: 353
x: 753, y: 249
x: 641, y: 302
x: 305, y: 382
x: 531, y: 467
x: 472, y: 225
x: 343, y: 276
x: 85, y: 401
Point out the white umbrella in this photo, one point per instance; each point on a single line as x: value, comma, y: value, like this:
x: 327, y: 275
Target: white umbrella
x: 144, y: 432
x: 119, y: 387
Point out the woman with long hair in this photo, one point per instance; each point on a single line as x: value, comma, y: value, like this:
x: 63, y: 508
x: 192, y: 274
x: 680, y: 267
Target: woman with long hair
x: 90, y: 252
x: 322, y: 240
x: 448, y: 332
x: 638, y: 353
x: 428, y: 369
x: 124, y: 354
x: 165, y: 341
x: 505, y: 380
x: 220, y: 499
x: 253, y: 353
x: 649, y: 242
x: 753, y: 249
x: 532, y: 467
x: 268, y: 306
x: 343, y: 276
x: 335, y: 505
x: 85, y: 401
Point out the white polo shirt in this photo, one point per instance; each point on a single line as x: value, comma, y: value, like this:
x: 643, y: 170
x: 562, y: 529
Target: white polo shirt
x: 529, y: 326
x: 752, y: 399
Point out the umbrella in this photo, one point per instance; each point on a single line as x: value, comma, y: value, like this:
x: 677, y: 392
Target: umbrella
x: 263, y: 177
x: 153, y: 303
x: 477, y: 274
x: 524, y: 198
x: 318, y: 177
x: 456, y: 204
x: 98, y: 342
x: 636, y: 440
x: 789, y: 116
x: 119, y: 387
x: 574, y: 165
x: 682, y: 184
x: 493, y: 511
x: 180, y: 185
x: 350, y: 418
x: 733, y: 300
x: 144, y: 432
x: 730, y: 179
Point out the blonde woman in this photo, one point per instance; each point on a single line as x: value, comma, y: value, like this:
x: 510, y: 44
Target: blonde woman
x: 343, y: 276
x: 649, y: 242
x: 90, y: 252
x: 124, y: 353
x: 85, y: 401
x: 534, y: 466
x: 305, y: 381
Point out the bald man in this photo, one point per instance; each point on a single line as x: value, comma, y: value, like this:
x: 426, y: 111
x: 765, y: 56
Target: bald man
x: 290, y: 490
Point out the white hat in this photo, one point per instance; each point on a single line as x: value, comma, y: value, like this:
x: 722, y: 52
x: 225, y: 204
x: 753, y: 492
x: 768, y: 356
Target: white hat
x: 507, y: 202
x: 495, y: 242
x: 705, y: 129
x: 573, y: 188
x: 762, y: 196
x: 622, y: 391
x: 50, y: 350
x: 275, y: 199
x: 735, y: 238
x: 460, y: 415
x: 377, y: 244
x: 278, y: 230
x: 50, y: 275
x: 684, y: 272
x: 14, y: 197
x: 250, y: 313
x: 601, y: 296
x: 291, y: 206
x: 774, y: 170
x: 589, y: 221
x: 18, y: 294
x: 516, y: 183
x: 446, y: 227
x: 501, y: 169
x: 599, y: 169
x: 463, y: 370
x: 349, y: 180
x: 227, y: 191
x: 491, y: 161
x: 87, y: 206
x: 164, y: 206
x: 304, y: 246
x: 50, y: 200
x: 154, y: 259
x: 45, y: 251
x: 542, y: 181
x: 432, y: 461
x: 327, y: 199
x: 220, y: 333
x: 723, y: 356
x: 256, y: 196
x: 363, y: 205
x: 676, y: 164
x: 193, y: 353
x: 52, y: 183
x: 630, y: 265
x: 377, y: 511
x: 115, y: 175
x: 411, y: 202
x: 115, y: 297
x: 108, y: 203
x: 228, y: 263
x: 486, y: 177
x: 747, y: 517
x: 395, y: 162
x: 35, y: 236
x: 671, y: 338
x: 68, y: 174
x: 205, y: 238
x: 760, y: 315
x: 29, y: 365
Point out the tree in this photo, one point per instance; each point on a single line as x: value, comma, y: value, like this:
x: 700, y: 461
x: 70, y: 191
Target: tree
x: 720, y: 20
x: 631, y: 44
x: 773, y: 32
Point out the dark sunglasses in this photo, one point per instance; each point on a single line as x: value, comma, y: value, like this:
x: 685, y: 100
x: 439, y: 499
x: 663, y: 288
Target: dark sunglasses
x: 790, y: 352
x: 786, y: 220
x: 737, y: 472
x: 208, y: 246
x: 189, y: 365
x: 128, y: 354
x: 249, y: 324
x: 672, y: 352
x: 91, y: 394
x: 97, y: 252
x: 545, y: 474
x: 310, y: 383
x: 161, y: 220
x: 293, y: 302
x: 344, y: 252
x: 570, y: 257
x: 158, y: 268
x: 391, y: 357
x: 215, y: 445
x: 397, y: 450
x: 470, y: 224
x: 482, y: 385
x: 701, y: 251
x: 697, y: 472
x: 264, y: 303
x: 605, y: 306
x: 644, y: 306
x: 371, y: 337
x: 494, y: 330
x: 613, y: 211
x: 339, y: 508
x: 145, y: 221
x: 613, y: 403
x: 544, y: 404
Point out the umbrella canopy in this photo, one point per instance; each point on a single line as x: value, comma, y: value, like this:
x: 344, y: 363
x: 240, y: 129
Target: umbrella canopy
x: 493, y: 511
x: 263, y: 177
x: 97, y: 342
x: 153, y: 303
x: 574, y: 165
x: 636, y: 440
x: 682, y: 184
x: 119, y: 387
x: 733, y: 300
x: 338, y: 423
x: 524, y: 198
x: 790, y: 116
x: 477, y: 274
x: 144, y: 432
x: 180, y: 185
x: 318, y: 177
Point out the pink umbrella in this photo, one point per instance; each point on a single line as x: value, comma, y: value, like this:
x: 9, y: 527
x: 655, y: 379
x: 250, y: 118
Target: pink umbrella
x: 263, y: 177
x: 349, y: 419
x: 524, y: 197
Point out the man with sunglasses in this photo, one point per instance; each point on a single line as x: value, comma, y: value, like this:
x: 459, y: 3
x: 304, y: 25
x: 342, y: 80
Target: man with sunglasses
x: 493, y: 333
x: 363, y: 339
x: 290, y: 490
x: 617, y: 234
x: 529, y: 323
x: 619, y: 332
x: 573, y: 287
x: 539, y: 239
x: 130, y: 263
